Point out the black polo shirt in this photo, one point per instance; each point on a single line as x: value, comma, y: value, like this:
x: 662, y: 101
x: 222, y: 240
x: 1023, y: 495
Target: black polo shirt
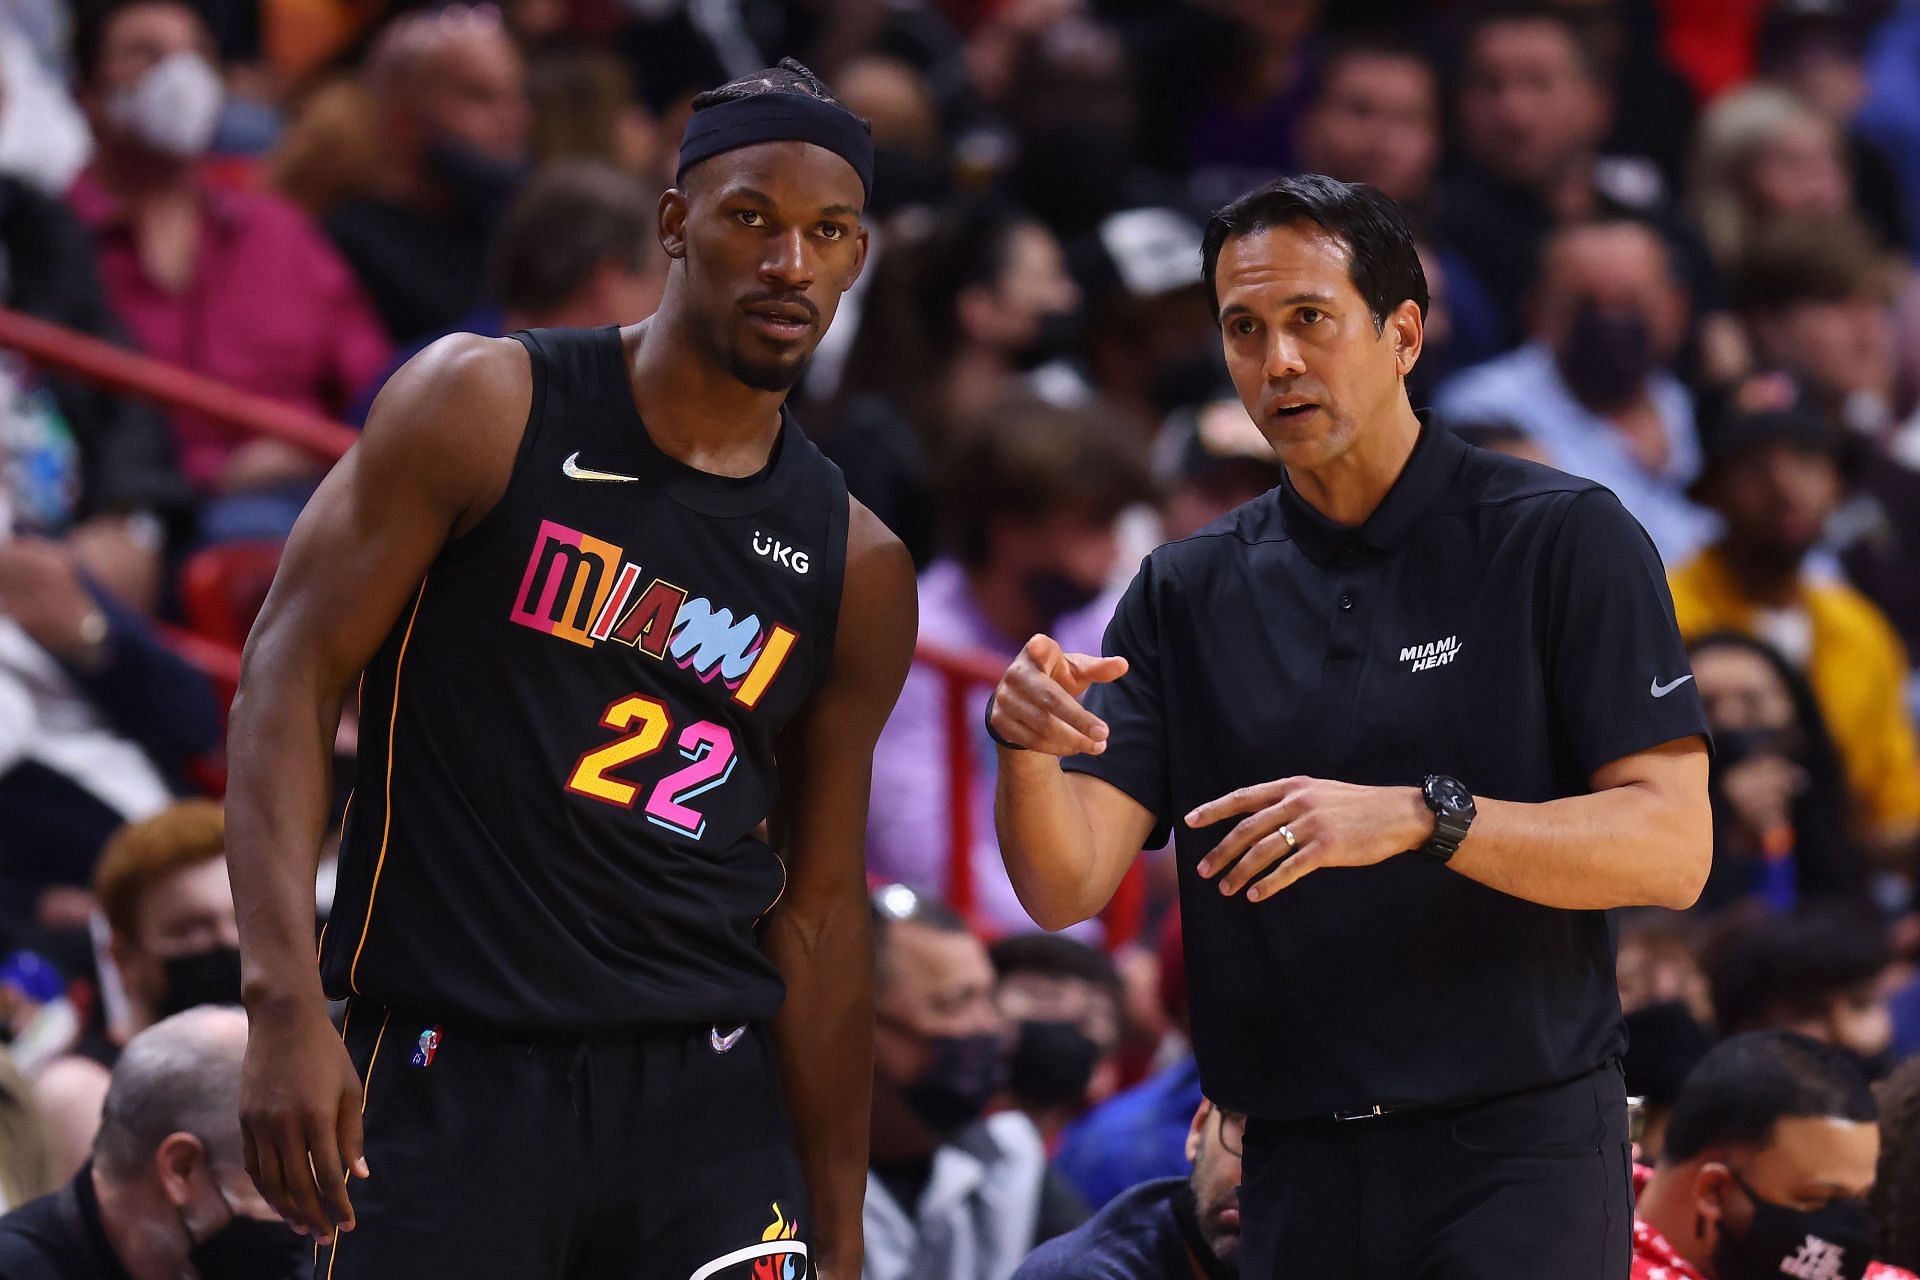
x: 59, y: 1237
x: 1494, y: 620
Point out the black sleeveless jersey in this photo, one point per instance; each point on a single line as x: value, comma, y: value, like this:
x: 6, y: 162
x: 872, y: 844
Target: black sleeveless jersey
x: 567, y: 741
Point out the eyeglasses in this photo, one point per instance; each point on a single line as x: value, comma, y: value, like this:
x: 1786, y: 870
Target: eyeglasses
x: 1232, y: 1131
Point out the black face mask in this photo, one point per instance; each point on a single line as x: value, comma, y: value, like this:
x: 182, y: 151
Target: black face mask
x: 480, y: 186
x: 1054, y: 594
x: 1608, y: 356
x: 1052, y: 1063
x: 1834, y: 1243
x: 248, y: 1249
x: 200, y: 977
x: 957, y: 1085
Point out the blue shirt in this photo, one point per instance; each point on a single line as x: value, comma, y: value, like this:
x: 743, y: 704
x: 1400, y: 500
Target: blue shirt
x: 1524, y: 388
x: 1134, y: 1136
x: 1137, y: 1237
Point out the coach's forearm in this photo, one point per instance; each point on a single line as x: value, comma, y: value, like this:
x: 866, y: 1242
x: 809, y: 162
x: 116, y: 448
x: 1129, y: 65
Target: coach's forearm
x: 824, y: 1037
x: 280, y: 757
x: 1050, y: 848
x: 1625, y: 846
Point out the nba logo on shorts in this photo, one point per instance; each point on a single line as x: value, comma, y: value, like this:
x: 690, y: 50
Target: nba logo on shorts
x: 426, y: 1047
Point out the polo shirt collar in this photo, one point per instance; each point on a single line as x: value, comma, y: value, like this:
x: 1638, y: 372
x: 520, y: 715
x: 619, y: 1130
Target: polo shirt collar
x: 1429, y: 469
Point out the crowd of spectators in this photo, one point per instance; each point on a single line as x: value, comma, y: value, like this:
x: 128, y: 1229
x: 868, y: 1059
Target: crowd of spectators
x: 1671, y: 247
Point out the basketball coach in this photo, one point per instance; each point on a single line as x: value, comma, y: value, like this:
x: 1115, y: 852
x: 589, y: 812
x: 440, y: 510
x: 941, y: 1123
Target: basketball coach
x: 1420, y: 716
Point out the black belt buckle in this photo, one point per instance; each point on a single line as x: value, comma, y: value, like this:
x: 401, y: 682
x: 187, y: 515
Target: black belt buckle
x: 1373, y: 1112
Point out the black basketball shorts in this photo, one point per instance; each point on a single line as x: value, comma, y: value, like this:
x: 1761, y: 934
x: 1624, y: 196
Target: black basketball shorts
x: 663, y: 1155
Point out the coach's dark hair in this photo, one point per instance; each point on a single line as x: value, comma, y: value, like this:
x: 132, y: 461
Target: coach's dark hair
x: 1381, y: 259
x: 571, y: 217
x: 1745, y: 1085
x: 790, y: 75
x: 1779, y: 968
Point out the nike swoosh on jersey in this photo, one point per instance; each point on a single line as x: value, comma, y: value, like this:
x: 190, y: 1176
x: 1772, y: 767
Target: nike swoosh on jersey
x: 572, y: 469
x: 1662, y: 690
x: 722, y: 1043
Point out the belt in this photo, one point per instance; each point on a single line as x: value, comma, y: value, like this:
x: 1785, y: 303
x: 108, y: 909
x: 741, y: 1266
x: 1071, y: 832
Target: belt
x: 1375, y: 1111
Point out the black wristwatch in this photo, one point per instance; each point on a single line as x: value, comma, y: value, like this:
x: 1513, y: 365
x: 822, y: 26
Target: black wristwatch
x: 1453, y: 811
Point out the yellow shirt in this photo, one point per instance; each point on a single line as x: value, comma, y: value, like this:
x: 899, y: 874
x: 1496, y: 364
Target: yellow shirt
x: 1858, y: 670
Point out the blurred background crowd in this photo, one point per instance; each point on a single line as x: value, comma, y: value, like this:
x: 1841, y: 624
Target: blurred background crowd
x: 1671, y: 247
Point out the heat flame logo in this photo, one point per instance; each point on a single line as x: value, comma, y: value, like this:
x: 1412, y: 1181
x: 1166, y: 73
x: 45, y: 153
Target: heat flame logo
x: 780, y: 1266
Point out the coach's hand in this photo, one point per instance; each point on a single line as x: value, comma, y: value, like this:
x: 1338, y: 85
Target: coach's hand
x: 300, y: 1118
x: 1036, y: 704
x: 1333, y: 824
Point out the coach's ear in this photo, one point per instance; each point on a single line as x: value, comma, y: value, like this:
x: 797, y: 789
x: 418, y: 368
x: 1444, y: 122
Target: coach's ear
x: 1408, y: 330
x: 673, y: 222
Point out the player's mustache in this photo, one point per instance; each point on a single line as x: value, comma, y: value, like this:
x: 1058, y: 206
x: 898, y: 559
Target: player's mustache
x: 783, y: 301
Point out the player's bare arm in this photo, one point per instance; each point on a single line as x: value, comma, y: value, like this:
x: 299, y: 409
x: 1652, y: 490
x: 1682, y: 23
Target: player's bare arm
x: 435, y: 456
x: 1067, y: 839
x: 819, y: 935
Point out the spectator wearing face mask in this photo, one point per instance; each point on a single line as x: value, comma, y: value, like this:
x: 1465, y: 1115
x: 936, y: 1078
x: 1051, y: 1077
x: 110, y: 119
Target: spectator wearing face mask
x: 1775, y: 477
x: 1594, y: 385
x: 165, y: 1192
x: 450, y: 93
x: 1769, y: 1160
x: 162, y: 886
x: 1780, y: 804
x: 1063, y: 999
x: 1032, y: 492
x: 237, y: 285
x: 1166, y: 1228
x: 1821, y: 972
x: 952, y: 1193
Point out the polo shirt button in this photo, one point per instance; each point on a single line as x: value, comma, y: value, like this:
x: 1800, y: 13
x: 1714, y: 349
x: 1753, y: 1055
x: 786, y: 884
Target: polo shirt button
x: 1346, y: 602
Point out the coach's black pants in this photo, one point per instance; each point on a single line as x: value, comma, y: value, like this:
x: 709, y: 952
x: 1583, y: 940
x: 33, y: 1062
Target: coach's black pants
x: 1532, y: 1186
x: 661, y: 1155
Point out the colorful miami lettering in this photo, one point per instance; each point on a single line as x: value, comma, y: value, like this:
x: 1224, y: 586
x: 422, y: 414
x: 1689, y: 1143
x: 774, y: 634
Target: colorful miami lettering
x: 579, y: 588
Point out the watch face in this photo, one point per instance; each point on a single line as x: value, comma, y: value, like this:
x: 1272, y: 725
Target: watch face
x: 1450, y: 795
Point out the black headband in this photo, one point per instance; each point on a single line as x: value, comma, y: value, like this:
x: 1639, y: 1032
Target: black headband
x: 778, y: 117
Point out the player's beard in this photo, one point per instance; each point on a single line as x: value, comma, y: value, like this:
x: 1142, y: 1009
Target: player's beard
x: 766, y: 375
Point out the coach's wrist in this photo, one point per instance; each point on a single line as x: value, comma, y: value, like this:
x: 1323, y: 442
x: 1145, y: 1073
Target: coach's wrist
x: 1416, y: 818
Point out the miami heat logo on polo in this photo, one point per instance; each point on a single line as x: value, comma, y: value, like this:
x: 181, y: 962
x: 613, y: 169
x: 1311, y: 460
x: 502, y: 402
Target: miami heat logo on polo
x: 583, y: 590
x: 780, y: 1255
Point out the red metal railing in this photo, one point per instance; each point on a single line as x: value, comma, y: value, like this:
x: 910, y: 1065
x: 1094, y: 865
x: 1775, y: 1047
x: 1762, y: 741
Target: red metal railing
x: 77, y: 355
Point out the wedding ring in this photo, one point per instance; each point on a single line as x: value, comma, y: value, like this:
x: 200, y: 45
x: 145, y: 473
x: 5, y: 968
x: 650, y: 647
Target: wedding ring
x: 1286, y: 833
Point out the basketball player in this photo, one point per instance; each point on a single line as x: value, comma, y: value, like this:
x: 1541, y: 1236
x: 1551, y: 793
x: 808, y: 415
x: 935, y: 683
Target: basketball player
x: 599, y: 583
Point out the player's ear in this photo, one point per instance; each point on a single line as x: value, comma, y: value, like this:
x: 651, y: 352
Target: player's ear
x: 673, y: 222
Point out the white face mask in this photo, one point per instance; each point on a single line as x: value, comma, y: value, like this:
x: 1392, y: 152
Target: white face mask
x: 174, y: 107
